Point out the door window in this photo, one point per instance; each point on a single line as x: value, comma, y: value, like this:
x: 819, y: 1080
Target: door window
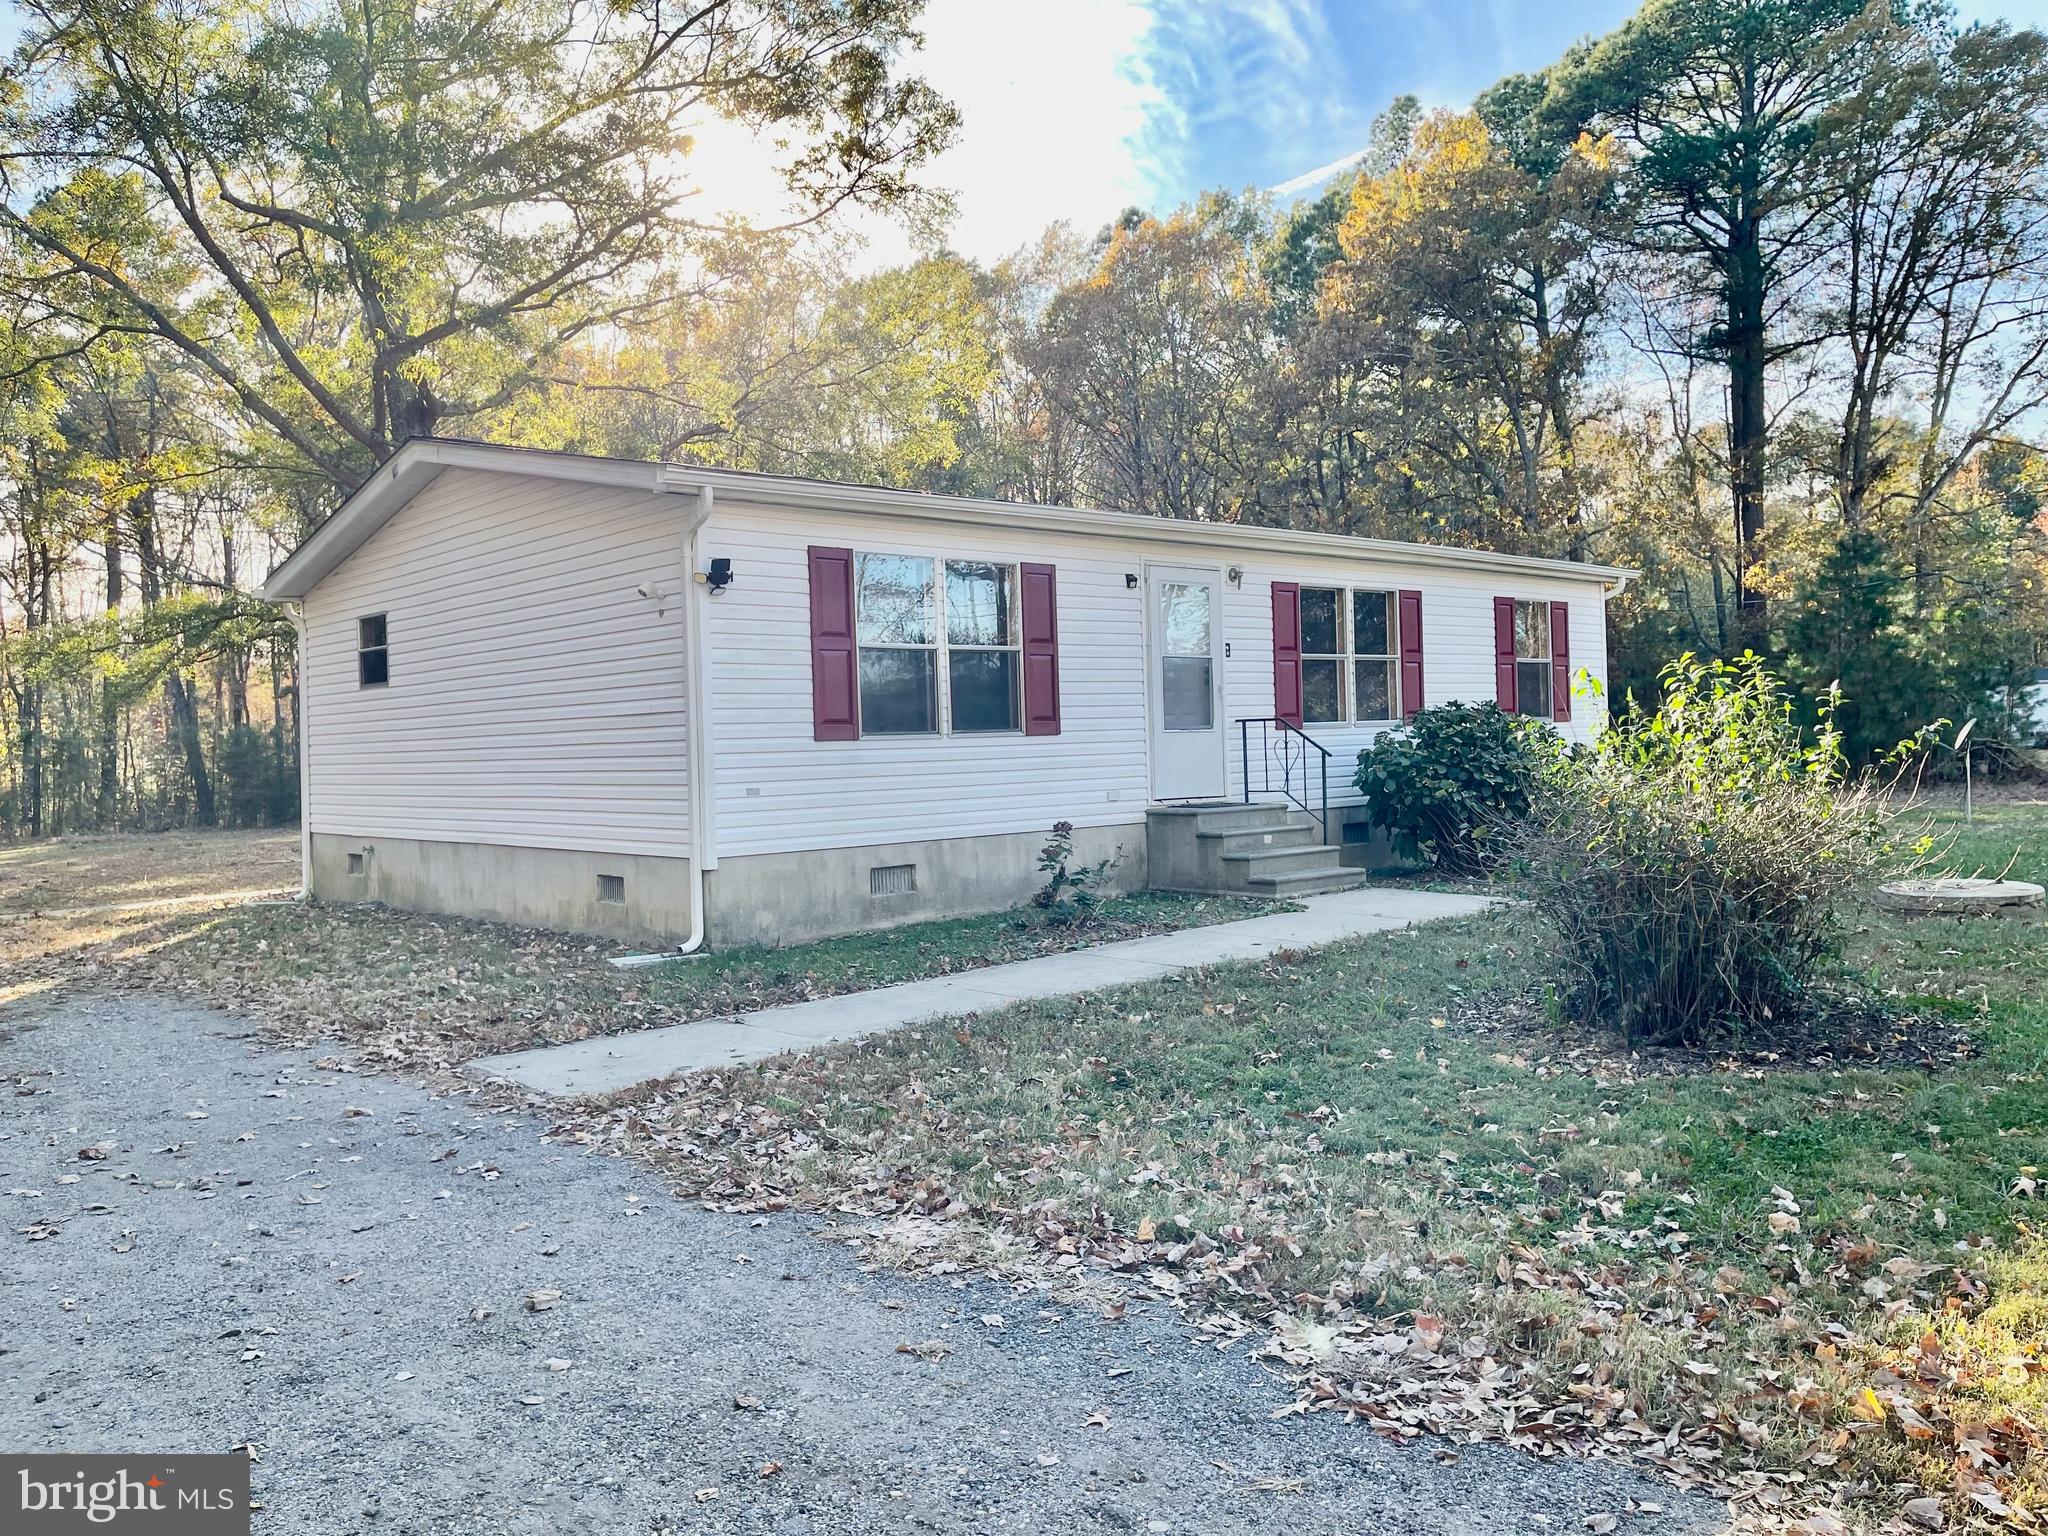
x: 1187, y: 665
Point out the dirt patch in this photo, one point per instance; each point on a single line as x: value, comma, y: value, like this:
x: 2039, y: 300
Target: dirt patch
x: 1842, y: 1030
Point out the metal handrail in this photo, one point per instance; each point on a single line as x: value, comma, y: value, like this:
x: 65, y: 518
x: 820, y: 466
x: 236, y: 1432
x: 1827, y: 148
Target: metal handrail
x: 1290, y: 754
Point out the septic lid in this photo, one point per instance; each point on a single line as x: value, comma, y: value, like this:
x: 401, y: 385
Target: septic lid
x: 1960, y: 897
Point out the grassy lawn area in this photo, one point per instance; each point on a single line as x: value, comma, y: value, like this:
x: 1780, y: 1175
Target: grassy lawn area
x: 430, y: 992
x: 1807, y: 1280
x: 103, y: 870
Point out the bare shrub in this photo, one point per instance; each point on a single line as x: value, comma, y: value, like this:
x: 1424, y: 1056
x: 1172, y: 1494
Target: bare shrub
x: 1693, y: 863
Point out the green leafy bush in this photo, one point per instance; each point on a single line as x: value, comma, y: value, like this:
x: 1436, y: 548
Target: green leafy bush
x: 1692, y: 864
x: 1454, y: 772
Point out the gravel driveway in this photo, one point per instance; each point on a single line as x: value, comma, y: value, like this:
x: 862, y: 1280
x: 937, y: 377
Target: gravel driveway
x: 253, y: 1258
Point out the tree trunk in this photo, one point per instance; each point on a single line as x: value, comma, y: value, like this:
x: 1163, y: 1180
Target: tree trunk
x: 178, y: 696
x: 185, y: 727
x: 108, y: 806
x: 1748, y: 420
x: 1559, y: 406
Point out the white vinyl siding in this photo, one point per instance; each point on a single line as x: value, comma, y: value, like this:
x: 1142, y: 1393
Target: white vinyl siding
x: 1457, y: 646
x: 535, y: 698
x: 778, y: 790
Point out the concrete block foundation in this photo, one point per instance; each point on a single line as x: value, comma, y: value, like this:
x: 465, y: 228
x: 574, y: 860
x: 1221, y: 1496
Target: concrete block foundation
x: 778, y: 898
x: 791, y: 898
x: 541, y: 887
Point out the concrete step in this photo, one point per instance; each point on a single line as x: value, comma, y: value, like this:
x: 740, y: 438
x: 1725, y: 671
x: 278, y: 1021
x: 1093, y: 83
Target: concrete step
x: 1268, y: 848
x: 1260, y: 816
x: 1298, y: 833
x: 1283, y: 861
x: 1314, y: 882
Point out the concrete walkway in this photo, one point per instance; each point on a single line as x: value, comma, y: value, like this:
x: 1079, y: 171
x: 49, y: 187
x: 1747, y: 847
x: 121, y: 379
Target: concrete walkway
x: 611, y: 1062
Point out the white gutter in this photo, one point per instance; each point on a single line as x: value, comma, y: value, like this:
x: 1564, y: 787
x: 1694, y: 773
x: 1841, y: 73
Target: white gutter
x: 421, y: 460
x: 305, y: 758
x: 778, y: 492
x: 697, y: 725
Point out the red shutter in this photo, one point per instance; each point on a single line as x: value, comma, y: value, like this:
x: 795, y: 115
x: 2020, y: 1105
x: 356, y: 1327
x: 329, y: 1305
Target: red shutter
x: 1287, y: 651
x: 1504, y: 652
x: 1411, y: 653
x: 835, y: 664
x: 1041, y: 637
x: 1560, y: 663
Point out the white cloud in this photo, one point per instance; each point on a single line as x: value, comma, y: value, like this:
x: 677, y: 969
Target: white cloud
x: 1061, y: 118
x: 1271, y: 69
x: 1060, y: 114
x: 1308, y: 181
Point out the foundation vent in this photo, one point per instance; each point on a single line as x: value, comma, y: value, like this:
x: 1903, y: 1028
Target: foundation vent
x: 358, y: 863
x: 892, y: 879
x: 612, y: 888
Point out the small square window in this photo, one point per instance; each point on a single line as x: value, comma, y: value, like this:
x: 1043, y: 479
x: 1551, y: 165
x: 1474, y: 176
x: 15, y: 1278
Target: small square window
x: 612, y: 888
x: 373, y: 654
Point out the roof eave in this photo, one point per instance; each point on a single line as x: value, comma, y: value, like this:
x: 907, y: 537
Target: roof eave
x: 417, y: 463
x: 408, y: 471
x: 778, y: 491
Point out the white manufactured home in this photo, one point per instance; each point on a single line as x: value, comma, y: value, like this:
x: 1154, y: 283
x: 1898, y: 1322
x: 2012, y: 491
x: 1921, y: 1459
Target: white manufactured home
x: 664, y: 702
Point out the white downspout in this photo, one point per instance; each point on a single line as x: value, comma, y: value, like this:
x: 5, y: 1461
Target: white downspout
x: 299, y: 672
x: 697, y: 741
x: 697, y: 719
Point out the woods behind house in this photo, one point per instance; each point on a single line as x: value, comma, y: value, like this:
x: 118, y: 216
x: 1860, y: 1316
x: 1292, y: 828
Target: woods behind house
x: 1753, y: 296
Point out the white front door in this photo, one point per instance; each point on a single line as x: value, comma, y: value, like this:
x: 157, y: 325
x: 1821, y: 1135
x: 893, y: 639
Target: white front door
x: 1184, y: 639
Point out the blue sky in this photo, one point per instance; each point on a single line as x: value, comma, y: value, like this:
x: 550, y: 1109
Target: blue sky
x: 1092, y: 105
x: 1275, y: 88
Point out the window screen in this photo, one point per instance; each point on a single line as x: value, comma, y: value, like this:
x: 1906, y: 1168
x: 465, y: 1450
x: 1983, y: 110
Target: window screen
x: 895, y: 600
x: 981, y: 645
x: 1322, y: 654
x: 1532, y: 659
x: 1376, y: 658
x: 373, y: 654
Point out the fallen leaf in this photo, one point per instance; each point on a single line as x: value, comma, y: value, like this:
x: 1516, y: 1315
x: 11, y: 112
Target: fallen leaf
x: 1926, y: 1513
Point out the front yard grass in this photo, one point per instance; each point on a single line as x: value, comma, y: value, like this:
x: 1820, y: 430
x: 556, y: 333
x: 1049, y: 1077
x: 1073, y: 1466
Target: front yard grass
x: 1805, y: 1280
x: 430, y: 992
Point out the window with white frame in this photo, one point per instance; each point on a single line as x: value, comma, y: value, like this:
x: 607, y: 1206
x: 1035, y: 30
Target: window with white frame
x: 982, y: 669
x: 373, y: 652
x: 1350, y: 656
x: 938, y: 645
x: 1532, y: 659
x: 1322, y: 654
x: 1375, y: 656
